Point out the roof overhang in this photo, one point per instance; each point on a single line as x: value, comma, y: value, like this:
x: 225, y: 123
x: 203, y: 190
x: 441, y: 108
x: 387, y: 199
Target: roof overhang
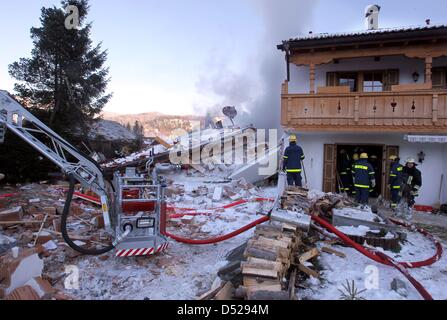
x: 365, y: 37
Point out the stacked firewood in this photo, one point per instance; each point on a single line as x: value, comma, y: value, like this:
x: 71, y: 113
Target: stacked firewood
x: 269, y: 255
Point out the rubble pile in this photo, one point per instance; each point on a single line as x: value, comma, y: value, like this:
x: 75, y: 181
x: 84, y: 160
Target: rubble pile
x: 33, y: 253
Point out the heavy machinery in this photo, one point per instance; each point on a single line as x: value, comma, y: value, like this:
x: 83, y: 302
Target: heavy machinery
x: 133, y: 204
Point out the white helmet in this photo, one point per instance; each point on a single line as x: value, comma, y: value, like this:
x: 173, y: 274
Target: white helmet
x: 411, y: 160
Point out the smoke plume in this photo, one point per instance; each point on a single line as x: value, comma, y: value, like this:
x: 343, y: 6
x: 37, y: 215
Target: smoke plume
x: 255, y: 89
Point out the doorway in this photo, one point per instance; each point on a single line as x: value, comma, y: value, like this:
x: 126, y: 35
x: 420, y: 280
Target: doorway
x: 375, y: 153
x: 378, y: 157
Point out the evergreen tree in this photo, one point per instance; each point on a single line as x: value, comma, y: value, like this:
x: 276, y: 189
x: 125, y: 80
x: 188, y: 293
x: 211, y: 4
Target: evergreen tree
x: 63, y: 83
x: 65, y: 74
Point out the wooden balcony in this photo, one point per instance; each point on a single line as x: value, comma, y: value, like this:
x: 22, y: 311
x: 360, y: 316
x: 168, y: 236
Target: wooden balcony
x: 421, y: 111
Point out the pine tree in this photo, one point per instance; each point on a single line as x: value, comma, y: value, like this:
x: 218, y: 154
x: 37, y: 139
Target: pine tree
x: 63, y: 83
x: 65, y: 74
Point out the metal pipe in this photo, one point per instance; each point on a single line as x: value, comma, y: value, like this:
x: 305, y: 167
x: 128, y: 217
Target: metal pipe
x: 120, y: 238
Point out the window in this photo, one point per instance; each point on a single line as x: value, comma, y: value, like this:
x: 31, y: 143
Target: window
x: 342, y: 79
x: 439, y: 78
x: 373, y: 82
x: 348, y: 79
x: 370, y: 81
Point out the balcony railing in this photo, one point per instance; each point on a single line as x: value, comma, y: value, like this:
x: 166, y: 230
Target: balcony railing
x: 415, y: 111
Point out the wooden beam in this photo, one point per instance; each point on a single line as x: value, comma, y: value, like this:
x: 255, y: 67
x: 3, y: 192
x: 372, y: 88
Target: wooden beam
x: 415, y: 51
x: 312, y: 77
x: 308, y: 271
x: 309, y: 255
x: 332, y: 251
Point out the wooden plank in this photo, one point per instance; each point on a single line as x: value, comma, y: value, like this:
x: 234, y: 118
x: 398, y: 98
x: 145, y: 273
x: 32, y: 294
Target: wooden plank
x: 277, y: 266
x: 226, y: 293
x: 275, y: 243
x: 260, y: 273
x: 211, y: 293
x: 309, y: 255
x: 292, y: 285
x: 308, y: 271
x: 332, y: 251
x: 272, y: 288
x: 261, y: 253
x: 254, y: 282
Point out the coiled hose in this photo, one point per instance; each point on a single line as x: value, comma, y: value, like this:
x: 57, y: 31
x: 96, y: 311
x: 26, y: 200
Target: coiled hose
x: 64, y: 231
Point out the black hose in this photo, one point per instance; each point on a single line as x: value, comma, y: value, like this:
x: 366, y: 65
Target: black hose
x: 64, y: 231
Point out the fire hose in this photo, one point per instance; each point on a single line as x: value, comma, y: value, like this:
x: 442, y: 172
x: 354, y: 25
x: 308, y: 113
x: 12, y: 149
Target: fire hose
x: 377, y: 256
x: 374, y: 255
x: 382, y: 258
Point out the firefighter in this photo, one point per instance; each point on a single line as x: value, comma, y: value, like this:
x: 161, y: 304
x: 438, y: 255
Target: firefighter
x: 395, y: 181
x: 355, y: 158
x: 364, y: 179
x: 293, y: 156
x: 345, y: 171
x: 412, y: 181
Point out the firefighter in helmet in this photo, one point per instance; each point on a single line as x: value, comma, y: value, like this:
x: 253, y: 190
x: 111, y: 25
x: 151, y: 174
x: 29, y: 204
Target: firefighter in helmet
x: 395, y: 181
x: 293, y: 156
x: 364, y: 179
x: 412, y: 181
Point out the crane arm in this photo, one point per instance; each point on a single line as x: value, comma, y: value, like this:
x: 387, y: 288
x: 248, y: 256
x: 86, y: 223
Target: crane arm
x: 29, y: 128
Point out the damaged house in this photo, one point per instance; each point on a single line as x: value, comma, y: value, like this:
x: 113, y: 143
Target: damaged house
x: 381, y: 90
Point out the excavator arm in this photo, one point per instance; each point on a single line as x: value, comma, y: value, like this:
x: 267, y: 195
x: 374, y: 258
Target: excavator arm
x: 73, y: 162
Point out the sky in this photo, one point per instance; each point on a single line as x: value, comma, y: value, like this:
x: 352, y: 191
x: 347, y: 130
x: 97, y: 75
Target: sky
x: 190, y: 56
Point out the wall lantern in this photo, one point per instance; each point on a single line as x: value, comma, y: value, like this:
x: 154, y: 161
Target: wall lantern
x: 415, y: 76
x: 421, y: 156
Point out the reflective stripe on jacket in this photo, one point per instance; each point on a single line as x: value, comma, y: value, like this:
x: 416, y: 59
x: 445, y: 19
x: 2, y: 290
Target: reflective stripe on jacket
x: 292, y: 158
x: 363, y: 174
x: 395, y: 180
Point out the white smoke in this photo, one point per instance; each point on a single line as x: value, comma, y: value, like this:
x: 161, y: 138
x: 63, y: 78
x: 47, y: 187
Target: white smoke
x: 255, y: 89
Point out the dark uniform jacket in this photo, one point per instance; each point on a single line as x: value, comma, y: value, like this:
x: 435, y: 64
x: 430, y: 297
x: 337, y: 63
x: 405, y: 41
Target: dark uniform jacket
x: 292, y: 158
x: 345, y: 165
x: 412, y: 177
x: 395, y: 180
x: 363, y: 174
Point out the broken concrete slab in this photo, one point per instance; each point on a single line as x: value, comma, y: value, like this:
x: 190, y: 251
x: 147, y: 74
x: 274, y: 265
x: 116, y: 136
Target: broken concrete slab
x: 218, y: 192
x: 300, y: 220
x: 6, y: 243
x: 16, y: 272
x: 187, y: 219
x: 13, y: 214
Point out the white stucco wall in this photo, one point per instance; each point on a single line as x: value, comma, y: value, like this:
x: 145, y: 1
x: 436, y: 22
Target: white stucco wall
x: 299, y: 82
x: 432, y: 169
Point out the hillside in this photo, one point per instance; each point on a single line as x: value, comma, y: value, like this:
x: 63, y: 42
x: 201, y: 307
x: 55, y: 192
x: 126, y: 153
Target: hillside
x: 155, y: 123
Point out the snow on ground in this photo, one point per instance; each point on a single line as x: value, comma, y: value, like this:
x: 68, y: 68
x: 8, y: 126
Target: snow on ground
x: 360, y: 214
x: 336, y: 271
x: 184, y: 271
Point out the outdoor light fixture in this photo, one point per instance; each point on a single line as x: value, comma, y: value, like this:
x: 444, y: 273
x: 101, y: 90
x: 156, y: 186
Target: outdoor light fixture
x: 144, y: 223
x: 416, y: 76
x: 421, y: 156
